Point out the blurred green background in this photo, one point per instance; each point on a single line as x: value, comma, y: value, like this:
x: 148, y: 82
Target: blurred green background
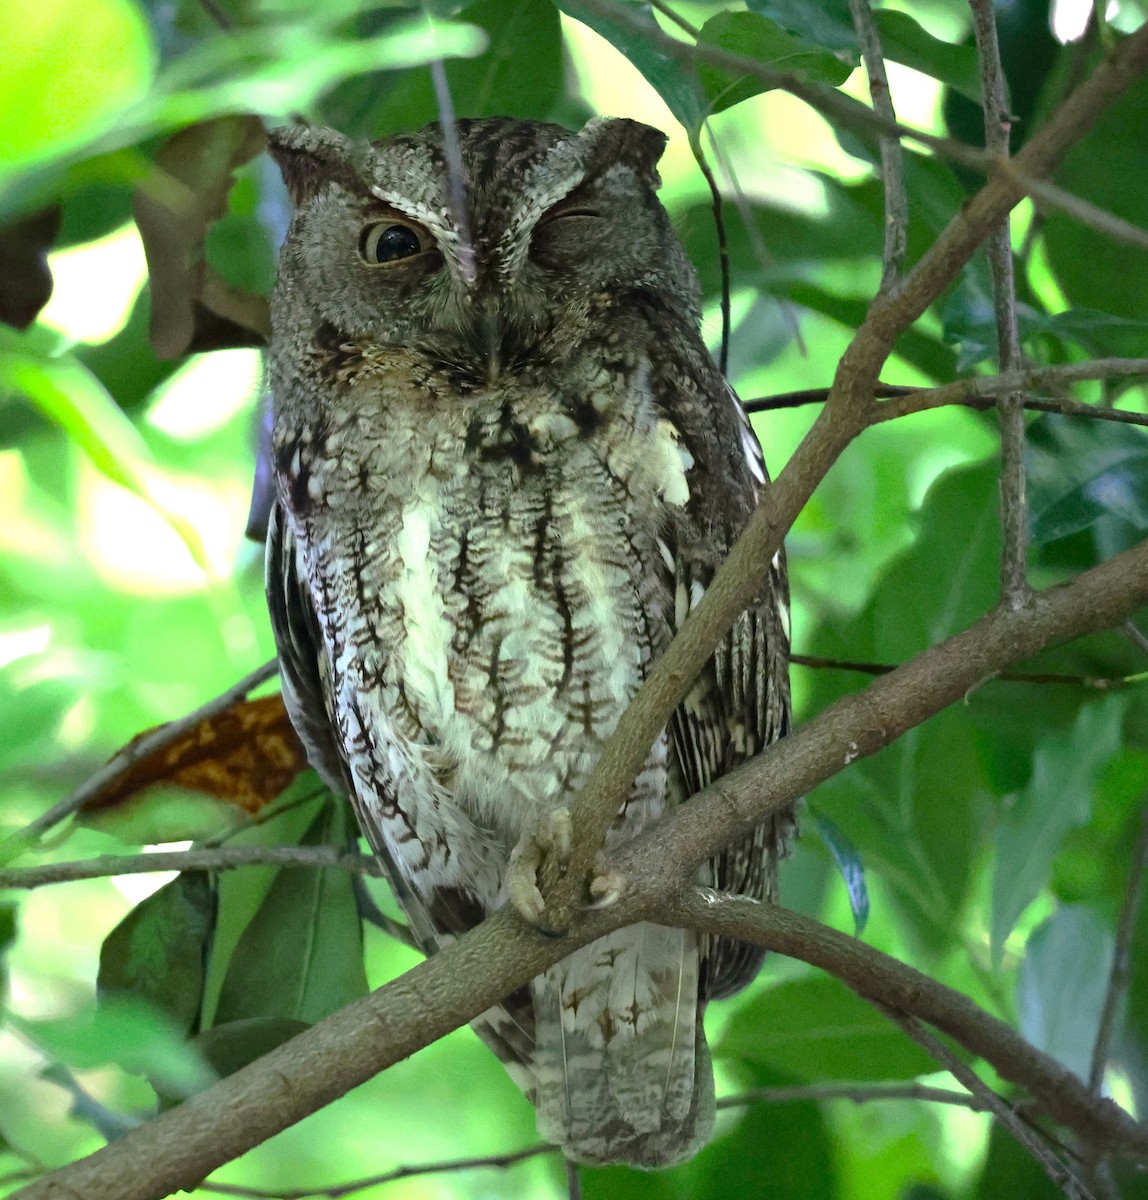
x: 996, y: 840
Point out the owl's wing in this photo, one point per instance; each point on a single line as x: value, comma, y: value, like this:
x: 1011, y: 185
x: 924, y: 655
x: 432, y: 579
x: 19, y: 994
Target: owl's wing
x: 304, y: 669
x: 740, y: 703
x: 308, y: 693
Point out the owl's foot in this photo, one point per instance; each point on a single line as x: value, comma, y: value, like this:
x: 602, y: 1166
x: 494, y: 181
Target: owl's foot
x: 606, y: 884
x: 551, y: 835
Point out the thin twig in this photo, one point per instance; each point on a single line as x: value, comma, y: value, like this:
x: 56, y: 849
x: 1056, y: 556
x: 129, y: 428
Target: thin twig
x: 339, y: 1190
x: 858, y: 1093
x: 670, y: 15
x: 126, y: 759
x: 223, y: 858
x: 980, y: 392
x: 1060, y: 1174
x: 573, y: 1181
x: 723, y: 246
x: 1094, y: 683
x: 1048, y: 195
x: 892, y: 156
x: 1015, y: 591
x: 1119, y: 974
x: 1134, y: 635
x: 825, y: 100
x: 456, y: 185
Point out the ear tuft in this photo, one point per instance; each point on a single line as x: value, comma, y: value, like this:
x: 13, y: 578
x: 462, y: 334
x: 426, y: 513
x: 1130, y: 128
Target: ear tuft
x: 311, y: 156
x: 619, y: 139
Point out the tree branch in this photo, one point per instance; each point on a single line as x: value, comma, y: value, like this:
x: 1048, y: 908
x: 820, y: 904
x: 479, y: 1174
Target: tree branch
x: 1060, y: 1174
x: 884, y: 980
x: 980, y: 392
x: 1014, y: 509
x: 180, y: 1147
x: 892, y: 156
x: 846, y: 413
x: 133, y: 753
x: 858, y: 1093
x: 223, y: 858
x: 1048, y: 195
x: 340, y: 1190
x: 1119, y: 973
x: 1099, y: 684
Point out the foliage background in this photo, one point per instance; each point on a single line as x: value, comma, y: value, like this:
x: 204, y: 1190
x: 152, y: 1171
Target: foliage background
x: 997, y: 839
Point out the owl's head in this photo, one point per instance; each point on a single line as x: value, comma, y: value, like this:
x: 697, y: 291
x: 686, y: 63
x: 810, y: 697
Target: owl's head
x: 500, y: 249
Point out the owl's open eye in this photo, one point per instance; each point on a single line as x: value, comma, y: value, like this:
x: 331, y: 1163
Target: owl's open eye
x: 389, y: 241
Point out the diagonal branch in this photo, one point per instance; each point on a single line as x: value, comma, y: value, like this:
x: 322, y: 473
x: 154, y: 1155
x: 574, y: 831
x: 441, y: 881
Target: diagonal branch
x: 847, y: 412
x: 180, y: 1147
x: 1058, y: 1172
x: 135, y: 752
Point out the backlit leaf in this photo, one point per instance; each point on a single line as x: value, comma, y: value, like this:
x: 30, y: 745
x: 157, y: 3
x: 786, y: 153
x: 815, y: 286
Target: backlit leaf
x: 817, y: 1029
x: 246, y: 755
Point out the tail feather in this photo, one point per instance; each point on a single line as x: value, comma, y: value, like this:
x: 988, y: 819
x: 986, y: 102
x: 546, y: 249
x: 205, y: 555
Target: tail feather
x: 622, y: 1073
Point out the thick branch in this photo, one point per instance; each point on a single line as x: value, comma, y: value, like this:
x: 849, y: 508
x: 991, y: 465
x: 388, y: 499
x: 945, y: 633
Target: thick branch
x: 182, y: 1146
x: 878, y: 977
x: 846, y: 413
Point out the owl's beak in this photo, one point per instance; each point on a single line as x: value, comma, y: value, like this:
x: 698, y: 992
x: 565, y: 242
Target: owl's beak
x: 490, y: 327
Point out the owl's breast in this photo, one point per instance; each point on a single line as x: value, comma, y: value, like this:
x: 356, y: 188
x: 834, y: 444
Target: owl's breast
x: 502, y: 595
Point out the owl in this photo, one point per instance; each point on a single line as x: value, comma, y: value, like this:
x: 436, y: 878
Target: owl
x: 506, y: 469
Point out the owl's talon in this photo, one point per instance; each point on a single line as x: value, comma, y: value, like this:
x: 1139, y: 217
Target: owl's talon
x: 606, y: 885
x: 552, y: 834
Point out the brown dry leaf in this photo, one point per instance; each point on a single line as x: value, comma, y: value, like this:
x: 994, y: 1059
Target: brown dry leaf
x: 192, y: 309
x: 25, y: 279
x: 246, y: 755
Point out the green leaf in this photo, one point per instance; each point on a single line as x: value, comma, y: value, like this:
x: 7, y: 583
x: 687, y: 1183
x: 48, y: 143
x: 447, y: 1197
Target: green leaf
x: 301, y: 957
x: 520, y: 74
x: 817, y: 1029
x: 128, y: 1033
x: 776, y: 1150
x: 676, y: 86
x: 7, y: 937
x: 825, y: 22
x: 70, y: 396
x: 1109, y: 167
x: 905, y: 41
x: 1082, y: 472
x: 1058, y: 798
x: 917, y: 810
x: 228, y: 1047
x: 69, y: 71
x: 1120, y: 490
x: 753, y: 36
x: 1062, y: 985
x: 1010, y: 1170
x: 157, y: 952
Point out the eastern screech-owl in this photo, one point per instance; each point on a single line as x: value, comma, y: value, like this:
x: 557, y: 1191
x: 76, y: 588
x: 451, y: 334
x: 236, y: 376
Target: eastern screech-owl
x: 506, y: 468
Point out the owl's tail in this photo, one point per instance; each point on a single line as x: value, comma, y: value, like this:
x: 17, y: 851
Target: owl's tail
x: 622, y: 1071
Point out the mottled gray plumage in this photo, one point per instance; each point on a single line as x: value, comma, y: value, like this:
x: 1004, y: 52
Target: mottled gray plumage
x: 506, y: 468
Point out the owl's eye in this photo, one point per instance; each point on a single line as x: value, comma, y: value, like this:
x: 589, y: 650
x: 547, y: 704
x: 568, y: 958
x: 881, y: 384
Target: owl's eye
x: 389, y: 241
